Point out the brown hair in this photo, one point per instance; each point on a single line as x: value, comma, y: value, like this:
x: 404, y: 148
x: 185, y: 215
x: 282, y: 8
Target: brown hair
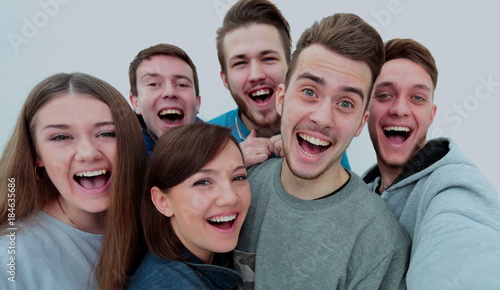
x: 347, y: 35
x: 414, y: 51
x: 160, y: 49
x: 178, y: 154
x: 18, y: 159
x: 247, y: 12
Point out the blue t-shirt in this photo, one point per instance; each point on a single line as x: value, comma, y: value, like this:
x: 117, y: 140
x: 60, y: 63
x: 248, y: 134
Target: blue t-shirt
x: 232, y: 120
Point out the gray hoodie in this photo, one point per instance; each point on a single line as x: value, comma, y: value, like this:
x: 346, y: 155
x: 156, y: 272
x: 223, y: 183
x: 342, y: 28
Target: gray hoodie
x: 452, y: 214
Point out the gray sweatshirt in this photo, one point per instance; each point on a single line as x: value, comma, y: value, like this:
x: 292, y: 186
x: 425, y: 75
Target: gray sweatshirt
x: 452, y: 214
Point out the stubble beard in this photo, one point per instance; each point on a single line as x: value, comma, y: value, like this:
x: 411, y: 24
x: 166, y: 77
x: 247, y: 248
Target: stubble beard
x: 310, y: 176
x: 268, y: 119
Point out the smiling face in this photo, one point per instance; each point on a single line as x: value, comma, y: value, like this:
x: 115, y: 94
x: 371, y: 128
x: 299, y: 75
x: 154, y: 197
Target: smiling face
x: 322, y: 110
x: 207, y: 210
x: 166, y: 93
x: 401, y: 112
x: 255, y: 65
x: 75, y: 141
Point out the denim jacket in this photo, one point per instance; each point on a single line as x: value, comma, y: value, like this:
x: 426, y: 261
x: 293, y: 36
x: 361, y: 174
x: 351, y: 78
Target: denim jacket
x: 155, y: 273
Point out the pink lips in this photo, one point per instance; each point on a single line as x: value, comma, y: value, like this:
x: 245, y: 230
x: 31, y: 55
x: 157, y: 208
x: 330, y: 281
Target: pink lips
x: 226, y: 224
x: 94, y: 183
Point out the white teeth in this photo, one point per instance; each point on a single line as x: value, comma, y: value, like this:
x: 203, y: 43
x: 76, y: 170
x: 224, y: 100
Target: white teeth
x: 261, y: 92
x: 308, y: 154
x: 170, y: 111
x: 221, y: 219
x: 400, y: 129
x: 91, y: 173
x: 314, y: 141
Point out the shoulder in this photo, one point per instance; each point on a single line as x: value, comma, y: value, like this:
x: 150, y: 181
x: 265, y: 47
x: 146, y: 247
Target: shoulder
x: 52, y: 254
x: 226, y: 119
x: 265, y: 174
x: 370, y: 209
x: 272, y: 164
x: 456, y: 173
x: 156, y: 273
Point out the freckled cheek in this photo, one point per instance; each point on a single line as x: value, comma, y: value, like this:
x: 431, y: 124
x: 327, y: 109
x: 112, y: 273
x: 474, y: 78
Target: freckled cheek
x: 202, y: 200
x: 189, y: 212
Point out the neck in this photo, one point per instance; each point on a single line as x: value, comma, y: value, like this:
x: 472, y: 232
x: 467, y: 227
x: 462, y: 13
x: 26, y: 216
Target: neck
x: 309, y: 189
x: 267, y: 132
x: 88, y: 222
x: 387, y: 175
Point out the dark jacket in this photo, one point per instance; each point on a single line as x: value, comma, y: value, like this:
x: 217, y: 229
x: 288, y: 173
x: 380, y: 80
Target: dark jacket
x: 155, y: 273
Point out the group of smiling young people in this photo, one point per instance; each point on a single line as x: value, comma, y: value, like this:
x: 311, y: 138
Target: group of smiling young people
x: 154, y: 198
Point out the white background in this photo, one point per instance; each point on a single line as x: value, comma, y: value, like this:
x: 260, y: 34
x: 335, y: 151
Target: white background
x: 40, y: 38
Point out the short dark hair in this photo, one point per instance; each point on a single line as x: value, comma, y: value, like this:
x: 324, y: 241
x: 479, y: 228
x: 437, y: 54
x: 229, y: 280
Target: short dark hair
x: 414, y: 51
x: 347, y: 35
x: 247, y: 12
x: 178, y: 154
x: 160, y: 49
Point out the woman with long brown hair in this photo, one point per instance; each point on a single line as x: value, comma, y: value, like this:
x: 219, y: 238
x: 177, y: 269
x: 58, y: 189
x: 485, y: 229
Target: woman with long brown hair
x: 195, y: 200
x: 76, y: 148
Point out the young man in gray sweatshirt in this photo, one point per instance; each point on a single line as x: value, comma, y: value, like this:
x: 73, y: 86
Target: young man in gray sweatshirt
x: 449, y: 209
x: 313, y: 224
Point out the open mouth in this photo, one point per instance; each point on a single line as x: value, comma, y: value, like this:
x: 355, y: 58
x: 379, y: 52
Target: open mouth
x: 397, y: 135
x: 92, y: 179
x: 171, y: 116
x: 312, y: 146
x: 261, y: 96
x: 222, y: 222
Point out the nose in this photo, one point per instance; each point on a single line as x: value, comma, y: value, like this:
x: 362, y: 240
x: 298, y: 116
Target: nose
x: 322, y: 114
x: 169, y: 91
x: 256, y: 71
x: 399, y: 107
x: 87, y: 151
x: 227, y: 196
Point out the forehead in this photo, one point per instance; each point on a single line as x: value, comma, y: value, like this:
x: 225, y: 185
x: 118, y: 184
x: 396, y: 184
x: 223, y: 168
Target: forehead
x: 404, y: 73
x: 164, y: 64
x: 252, y: 39
x: 77, y: 108
x: 335, y: 69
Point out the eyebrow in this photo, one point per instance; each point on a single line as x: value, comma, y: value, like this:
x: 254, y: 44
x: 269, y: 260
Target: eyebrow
x: 65, y: 126
x: 262, y: 53
x: 176, y: 76
x: 321, y: 81
x: 391, y: 84
x: 208, y: 170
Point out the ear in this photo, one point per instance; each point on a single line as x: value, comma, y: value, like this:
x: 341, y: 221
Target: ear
x: 223, y: 77
x: 433, y: 112
x: 161, y: 202
x: 280, y: 96
x: 198, y: 103
x: 363, y: 122
x: 39, y: 162
x: 134, y: 100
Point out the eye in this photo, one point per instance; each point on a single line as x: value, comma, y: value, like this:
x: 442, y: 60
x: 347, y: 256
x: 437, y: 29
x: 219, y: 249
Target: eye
x: 418, y: 98
x: 383, y: 97
x: 345, y: 104
x: 108, y: 134
x: 59, y: 137
x: 153, y: 85
x: 269, y: 59
x: 239, y: 63
x: 202, y: 182
x: 182, y: 85
x: 240, y: 177
x: 309, y: 93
